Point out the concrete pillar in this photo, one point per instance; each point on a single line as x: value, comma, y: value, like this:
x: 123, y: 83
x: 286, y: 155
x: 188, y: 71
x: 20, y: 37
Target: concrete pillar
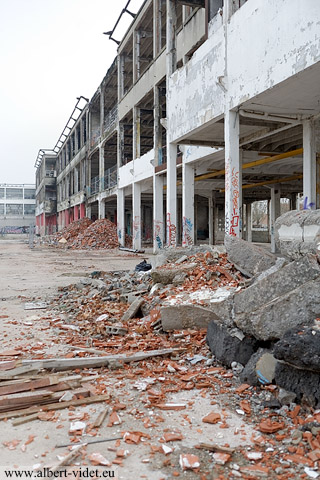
x: 76, y: 212
x: 102, y: 109
x: 121, y: 216
x: 120, y: 148
x: 318, y: 180
x: 171, y: 37
x: 89, y: 211
x: 136, y: 55
x: 156, y: 123
x: 136, y: 216
x: 158, y: 227
x: 188, y: 216
x: 293, y: 201
x: 171, y: 195
x: 211, y: 203
x: 136, y: 133
x: 101, y: 167
x: 157, y: 11
x: 233, y: 176
x: 101, y: 208
x: 274, y: 214
x: 82, y: 210
x: 249, y: 222
x: 120, y: 76
x: 309, y: 165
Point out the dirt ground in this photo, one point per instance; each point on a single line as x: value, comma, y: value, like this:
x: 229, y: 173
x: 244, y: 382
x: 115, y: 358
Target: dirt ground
x: 36, y: 275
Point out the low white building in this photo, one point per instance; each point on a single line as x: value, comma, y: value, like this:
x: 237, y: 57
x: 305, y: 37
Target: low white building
x: 17, y: 207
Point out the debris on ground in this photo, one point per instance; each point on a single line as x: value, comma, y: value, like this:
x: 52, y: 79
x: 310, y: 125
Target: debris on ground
x: 167, y: 366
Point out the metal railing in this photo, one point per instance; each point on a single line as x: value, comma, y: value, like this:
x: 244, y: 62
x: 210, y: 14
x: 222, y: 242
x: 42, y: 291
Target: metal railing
x: 95, y: 136
x: 94, y: 186
x: 111, y: 119
x: 110, y: 177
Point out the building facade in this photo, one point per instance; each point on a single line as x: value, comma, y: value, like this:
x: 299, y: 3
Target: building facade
x: 17, y: 207
x: 203, y: 112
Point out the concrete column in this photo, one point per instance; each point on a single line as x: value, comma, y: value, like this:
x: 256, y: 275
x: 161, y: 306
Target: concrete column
x: 158, y: 226
x: 233, y: 176
x: 309, y: 165
x: 136, y: 216
x: 318, y: 180
x: 188, y: 230
x: 120, y: 76
x: 120, y: 147
x: 120, y: 216
x: 171, y: 37
x: 274, y: 214
x: 101, y: 208
x: 82, y: 210
x: 156, y: 123
x: 136, y: 55
x: 211, y: 219
x: 249, y: 222
x: 157, y: 10
x: 89, y: 211
x: 136, y: 133
x: 171, y: 195
x: 102, y: 109
x: 101, y: 167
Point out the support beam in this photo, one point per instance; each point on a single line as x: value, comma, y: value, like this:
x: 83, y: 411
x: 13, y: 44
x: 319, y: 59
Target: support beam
x: 171, y: 194
x: 233, y: 176
x: 101, y: 167
x: 249, y: 222
x: 188, y: 215
x: 171, y: 37
x: 120, y: 76
x: 120, y: 216
x: 101, y: 209
x: 136, y: 132
x: 274, y: 214
x: 157, y: 27
x: 156, y: 125
x: 158, y: 220
x: 309, y: 165
x: 211, y: 204
x: 136, y: 55
x: 136, y: 216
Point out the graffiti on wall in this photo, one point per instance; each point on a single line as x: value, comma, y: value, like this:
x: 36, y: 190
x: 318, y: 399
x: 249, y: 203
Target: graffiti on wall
x: 233, y: 207
x: 187, y: 232
x: 171, y: 232
x: 158, y: 233
x: 136, y: 227
x: 306, y: 205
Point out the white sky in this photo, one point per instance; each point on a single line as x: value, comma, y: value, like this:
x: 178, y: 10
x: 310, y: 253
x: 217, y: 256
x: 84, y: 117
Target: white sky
x: 51, y: 51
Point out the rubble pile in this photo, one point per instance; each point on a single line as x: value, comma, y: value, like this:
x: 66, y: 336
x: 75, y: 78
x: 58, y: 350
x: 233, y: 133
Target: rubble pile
x: 86, y: 234
x: 189, y: 367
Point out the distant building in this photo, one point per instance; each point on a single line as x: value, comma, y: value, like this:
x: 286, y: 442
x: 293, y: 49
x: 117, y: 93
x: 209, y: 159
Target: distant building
x: 17, y: 207
x: 46, y: 194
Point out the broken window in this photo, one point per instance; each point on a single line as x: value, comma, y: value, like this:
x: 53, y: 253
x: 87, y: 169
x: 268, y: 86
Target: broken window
x: 14, y: 193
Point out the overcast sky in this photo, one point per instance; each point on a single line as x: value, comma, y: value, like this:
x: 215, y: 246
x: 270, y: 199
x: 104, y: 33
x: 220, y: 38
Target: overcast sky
x: 51, y: 52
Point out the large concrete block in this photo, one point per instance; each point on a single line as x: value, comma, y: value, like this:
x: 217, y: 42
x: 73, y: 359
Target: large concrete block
x: 300, y: 347
x: 301, y: 306
x: 276, y: 284
x: 180, y: 317
x: 305, y: 384
x: 298, y: 232
x: 260, y: 369
x: 227, y: 347
x: 166, y: 275
x: 248, y: 256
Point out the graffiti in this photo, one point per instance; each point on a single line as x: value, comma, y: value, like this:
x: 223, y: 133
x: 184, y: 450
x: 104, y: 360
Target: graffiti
x: 235, y: 215
x: 119, y: 234
x: 306, y: 205
x: 171, y: 232
x: 188, y: 153
x: 136, y: 227
x: 187, y: 232
x: 158, y: 230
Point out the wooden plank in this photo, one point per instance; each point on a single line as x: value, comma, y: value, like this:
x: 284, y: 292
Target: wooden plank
x: 55, y: 406
x: 68, y: 363
x: 100, y: 418
x: 10, y: 374
x: 28, y: 385
x: 24, y: 397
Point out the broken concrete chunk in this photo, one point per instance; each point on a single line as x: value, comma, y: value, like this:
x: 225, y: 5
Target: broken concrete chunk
x: 298, y: 232
x: 166, y: 276
x: 248, y: 256
x: 270, y: 322
x: 276, y: 284
x: 227, y: 347
x: 300, y: 347
x: 180, y: 317
x: 260, y: 369
x: 133, y: 309
x: 305, y: 384
x: 285, y: 397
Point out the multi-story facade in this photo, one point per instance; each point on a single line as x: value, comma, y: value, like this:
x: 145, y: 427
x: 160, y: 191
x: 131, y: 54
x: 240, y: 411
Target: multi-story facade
x: 209, y: 106
x: 17, y: 207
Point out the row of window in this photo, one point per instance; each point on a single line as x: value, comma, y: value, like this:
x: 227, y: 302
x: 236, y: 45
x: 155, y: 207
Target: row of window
x: 13, y: 209
x: 17, y: 193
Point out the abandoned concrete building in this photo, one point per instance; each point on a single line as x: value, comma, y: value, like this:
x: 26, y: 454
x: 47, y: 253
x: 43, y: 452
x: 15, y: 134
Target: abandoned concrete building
x: 209, y: 106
